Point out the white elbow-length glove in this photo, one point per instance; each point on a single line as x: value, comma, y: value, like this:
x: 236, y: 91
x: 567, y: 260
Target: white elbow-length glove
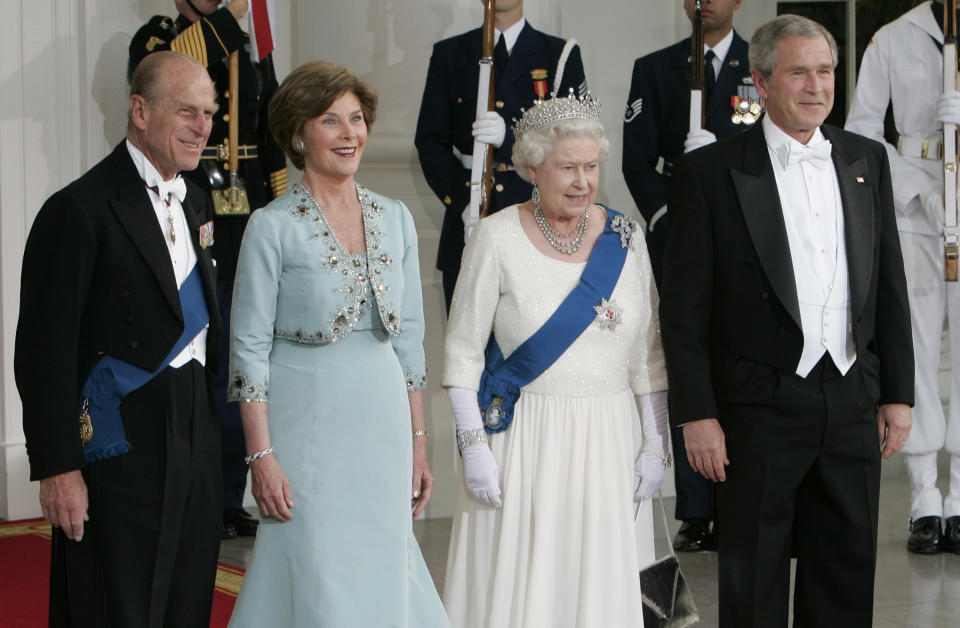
x: 650, y: 467
x: 490, y: 128
x: 480, y: 471
x: 698, y: 139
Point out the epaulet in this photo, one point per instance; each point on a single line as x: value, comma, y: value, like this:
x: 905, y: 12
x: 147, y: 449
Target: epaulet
x: 192, y: 42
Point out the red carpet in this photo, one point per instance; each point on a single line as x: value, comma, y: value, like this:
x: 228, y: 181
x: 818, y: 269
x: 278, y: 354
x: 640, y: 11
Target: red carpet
x: 25, y: 577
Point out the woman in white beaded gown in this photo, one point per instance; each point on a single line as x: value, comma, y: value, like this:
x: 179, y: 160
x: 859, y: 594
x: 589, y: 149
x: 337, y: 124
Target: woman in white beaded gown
x: 543, y: 530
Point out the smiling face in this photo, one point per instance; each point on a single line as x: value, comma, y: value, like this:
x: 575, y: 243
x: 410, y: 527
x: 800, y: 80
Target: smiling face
x: 173, y: 129
x: 799, y: 90
x: 334, y: 141
x: 568, y: 176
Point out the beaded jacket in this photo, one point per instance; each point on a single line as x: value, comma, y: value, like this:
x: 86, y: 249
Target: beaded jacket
x: 296, y: 283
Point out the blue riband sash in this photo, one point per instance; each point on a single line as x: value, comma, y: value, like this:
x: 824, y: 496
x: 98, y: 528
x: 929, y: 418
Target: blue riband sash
x: 111, y: 380
x: 502, y: 379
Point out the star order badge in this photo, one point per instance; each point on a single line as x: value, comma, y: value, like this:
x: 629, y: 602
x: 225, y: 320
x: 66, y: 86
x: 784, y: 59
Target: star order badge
x: 608, y: 314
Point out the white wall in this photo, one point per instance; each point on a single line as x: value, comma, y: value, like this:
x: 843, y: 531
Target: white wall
x: 63, y: 106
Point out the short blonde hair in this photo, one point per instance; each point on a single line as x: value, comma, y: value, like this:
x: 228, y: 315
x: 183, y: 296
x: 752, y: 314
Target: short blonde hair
x: 534, y: 146
x: 307, y: 93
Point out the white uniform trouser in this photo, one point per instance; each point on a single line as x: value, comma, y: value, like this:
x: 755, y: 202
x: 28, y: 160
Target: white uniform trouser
x: 932, y: 298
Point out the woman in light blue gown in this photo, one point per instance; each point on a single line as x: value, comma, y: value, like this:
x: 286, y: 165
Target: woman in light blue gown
x: 327, y: 362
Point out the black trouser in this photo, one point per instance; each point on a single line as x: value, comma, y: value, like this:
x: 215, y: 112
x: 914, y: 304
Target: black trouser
x: 148, y: 558
x: 804, y: 475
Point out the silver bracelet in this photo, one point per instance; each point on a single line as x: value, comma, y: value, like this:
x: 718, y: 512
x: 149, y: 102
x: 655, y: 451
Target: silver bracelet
x: 470, y: 437
x: 652, y: 448
x: 259, y: 454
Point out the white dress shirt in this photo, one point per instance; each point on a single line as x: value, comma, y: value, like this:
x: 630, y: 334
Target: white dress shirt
x: 510, y: 35
x: 182, y: 256
x: 813, y: 215
x: 721, y: 49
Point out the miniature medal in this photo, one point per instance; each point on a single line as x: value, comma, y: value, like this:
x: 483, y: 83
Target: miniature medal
x: 539, y: 76
x: 86, y: 424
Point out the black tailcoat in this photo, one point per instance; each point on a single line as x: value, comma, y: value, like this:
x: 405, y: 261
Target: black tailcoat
x: 804, y: 458
x: 98, y: 280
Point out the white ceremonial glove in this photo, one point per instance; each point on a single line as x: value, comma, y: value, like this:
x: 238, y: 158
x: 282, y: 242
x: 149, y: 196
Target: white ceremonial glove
x: 480, y: 471
x: 698, y: 139
x: 651, y: 465
x: 948, y: 108
x: 931, y: 202
x: 490, y: 128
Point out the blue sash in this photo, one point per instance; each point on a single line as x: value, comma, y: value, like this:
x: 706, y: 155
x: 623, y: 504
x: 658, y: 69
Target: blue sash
x: 502, y: 379
x: 111, y: 380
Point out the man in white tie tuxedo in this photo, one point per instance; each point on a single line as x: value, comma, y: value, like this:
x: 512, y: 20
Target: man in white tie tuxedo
x: 787, y: 334
x: 118, y: 324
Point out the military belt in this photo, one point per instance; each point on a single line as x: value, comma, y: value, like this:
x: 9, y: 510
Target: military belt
x: 920, y: 147
x: 243, y: 152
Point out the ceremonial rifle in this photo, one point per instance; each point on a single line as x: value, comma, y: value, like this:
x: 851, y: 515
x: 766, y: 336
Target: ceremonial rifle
x: 697, y: 71
x: 950, y: 231
x: 233, y: 199
x: 481, y: 170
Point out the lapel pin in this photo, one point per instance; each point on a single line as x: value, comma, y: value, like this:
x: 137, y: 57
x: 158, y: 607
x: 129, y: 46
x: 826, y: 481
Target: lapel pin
x: 859, y: 179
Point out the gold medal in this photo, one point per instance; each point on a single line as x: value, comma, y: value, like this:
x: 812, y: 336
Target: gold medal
x: 737, y: 117
x: 749, y: 118
x: 755, y: 108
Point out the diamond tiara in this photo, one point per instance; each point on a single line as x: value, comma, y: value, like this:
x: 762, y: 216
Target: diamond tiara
x: 546, y: 112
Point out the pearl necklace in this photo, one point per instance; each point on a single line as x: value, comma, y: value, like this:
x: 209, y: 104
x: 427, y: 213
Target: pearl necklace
x: 566, y: 243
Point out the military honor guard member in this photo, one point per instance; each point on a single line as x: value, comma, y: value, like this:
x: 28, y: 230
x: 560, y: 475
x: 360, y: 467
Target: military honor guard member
x: 902, y: 68
x: 117, y: 335
x: 655, y: 128
x: 210, y: 34
x: 525, y: 67
x: 786, y: 328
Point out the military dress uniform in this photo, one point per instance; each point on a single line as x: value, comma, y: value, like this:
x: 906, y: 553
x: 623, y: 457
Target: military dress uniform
x: 261, y: 166
x: 655, y: 125
x: 444, y: 140
x: 902, y: 68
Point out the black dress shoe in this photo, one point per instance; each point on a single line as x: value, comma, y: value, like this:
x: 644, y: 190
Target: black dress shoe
x: 241, y: 521
x: 925, y: 535
x: 694, y: 536
x: 227, y: 531
x: 951, y: 535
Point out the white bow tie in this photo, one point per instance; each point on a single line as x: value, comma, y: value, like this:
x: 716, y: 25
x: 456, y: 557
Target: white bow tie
x: 168, y: 189
x: 817, y: 155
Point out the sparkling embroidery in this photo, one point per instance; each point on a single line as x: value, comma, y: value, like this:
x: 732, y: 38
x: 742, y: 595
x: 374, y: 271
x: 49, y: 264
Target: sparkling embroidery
x: 355, y: 269
x: 608, y: 314
x: 626, y: 227
x: 415, y: 381
x: 242, y: 389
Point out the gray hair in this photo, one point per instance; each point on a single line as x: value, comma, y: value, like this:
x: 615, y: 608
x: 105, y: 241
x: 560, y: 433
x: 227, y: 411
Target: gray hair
x: 534, y: 146
x: 763, y: 45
